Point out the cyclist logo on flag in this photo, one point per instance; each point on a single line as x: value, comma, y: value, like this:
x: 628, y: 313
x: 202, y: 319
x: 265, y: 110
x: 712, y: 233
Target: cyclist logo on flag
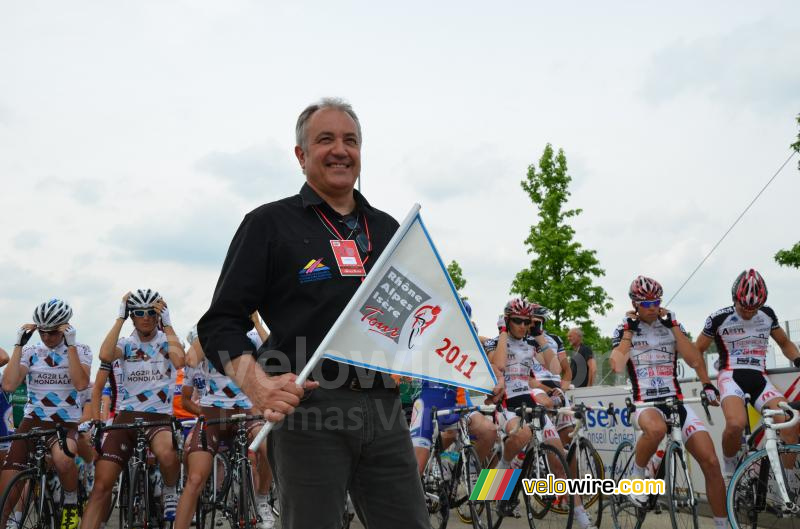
x: 423, y: 319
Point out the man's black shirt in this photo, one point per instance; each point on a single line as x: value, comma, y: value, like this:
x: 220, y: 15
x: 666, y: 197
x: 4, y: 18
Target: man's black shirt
x: 580, y: 374
x: 280, y: 262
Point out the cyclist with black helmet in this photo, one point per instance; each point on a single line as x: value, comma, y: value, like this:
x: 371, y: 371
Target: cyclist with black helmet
x: 57, y: 370
x: 520, y: 349
x: 647, y: 344
x: 741, y: 332
x: 149, y: 358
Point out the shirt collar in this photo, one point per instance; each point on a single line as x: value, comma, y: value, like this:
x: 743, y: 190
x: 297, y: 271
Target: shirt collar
x: 311, y: 198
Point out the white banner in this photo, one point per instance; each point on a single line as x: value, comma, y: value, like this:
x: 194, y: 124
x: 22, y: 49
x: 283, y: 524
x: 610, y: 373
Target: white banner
x: 407, y: 318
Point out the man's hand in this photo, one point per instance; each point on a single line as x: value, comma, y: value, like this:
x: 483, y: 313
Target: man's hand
x: 712, y: 393
x: 631, y: 321
x: 163, y: 311
x: 123, y: 307
x: 69, y: 334
x: 537, y: 329
x: 277, y: 396
x: 24, y: 334
x: 666, y: 318
x: 498, y: 392
x: 501, y: 325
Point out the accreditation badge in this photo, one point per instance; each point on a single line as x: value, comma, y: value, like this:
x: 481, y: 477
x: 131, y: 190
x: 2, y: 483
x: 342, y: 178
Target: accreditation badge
x: 348, y: 258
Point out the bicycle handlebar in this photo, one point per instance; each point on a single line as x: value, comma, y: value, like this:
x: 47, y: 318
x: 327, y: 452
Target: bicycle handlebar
x: 59, y: 431
x: 671, y: 402
x: 462, y: 410
x: 788, y: 409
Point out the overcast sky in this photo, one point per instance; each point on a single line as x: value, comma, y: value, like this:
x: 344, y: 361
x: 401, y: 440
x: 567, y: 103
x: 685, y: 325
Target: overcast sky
x: 135, y: 135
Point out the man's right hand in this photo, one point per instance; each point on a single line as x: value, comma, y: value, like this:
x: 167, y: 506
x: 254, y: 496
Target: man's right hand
x: 277, y: 396
x: 631, y: 321
x: 123, y: 307
x: 24, y: 334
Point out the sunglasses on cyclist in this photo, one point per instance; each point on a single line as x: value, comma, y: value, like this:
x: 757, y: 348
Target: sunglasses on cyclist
x: 49, y: 332
x: 141, y: 313
x: 649, y: 304
x: 520, y: 321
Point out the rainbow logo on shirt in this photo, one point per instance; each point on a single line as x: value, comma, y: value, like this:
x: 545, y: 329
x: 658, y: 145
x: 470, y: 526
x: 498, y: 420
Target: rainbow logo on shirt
x: 495, y: 484
x: 315, y: 270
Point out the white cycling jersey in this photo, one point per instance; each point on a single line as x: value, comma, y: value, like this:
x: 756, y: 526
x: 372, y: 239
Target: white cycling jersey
x: 218, y: 390
x: 51, y: 394
x: 520, y: 364
x: 652, y: 365
x: 742, y: 344
x: 148, y: 376
x: 541, y: 373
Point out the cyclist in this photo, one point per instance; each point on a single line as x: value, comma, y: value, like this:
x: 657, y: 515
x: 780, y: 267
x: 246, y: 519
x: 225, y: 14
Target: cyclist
x: 57, y: 369
x: 149, y: 358
x: 517, y: 349
x: 741, y: 332
x: 439, y: 395
x: 105, y: 393
x: 221, y: 398
x: 647, y: 344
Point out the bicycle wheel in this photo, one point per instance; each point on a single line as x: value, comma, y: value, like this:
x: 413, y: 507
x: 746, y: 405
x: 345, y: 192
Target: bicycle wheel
x: 547, y: 511
x: 244, y: 514
x: 754, y: 498
x: 624, y: 513
x: 25, y: 492
x: 275, y: 498
x: 464, y: 508
x: 470, y: 469
x: 589, y: 463
x: 680, y: 495
x: 436, y: 490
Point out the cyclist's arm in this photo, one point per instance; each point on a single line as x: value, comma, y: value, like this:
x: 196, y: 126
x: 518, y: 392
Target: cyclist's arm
x: 108, y: 349
x: 702, y: 343
x: 500, y: 354
x: 622, y: 351
x: 15, y: 371
x: 79, y: 372
x: 691, y: 354
x: 3, y: 357
x: 546, y: 355
x: 566, y: 371
x: 535, y: 384
x: 788, y: 347
x: 195, y: 354
x: 174, y: 349
x: 97, y: 391
x: 186, y: 400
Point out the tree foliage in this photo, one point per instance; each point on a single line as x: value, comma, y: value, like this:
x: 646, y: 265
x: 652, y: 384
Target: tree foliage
x: 791, y: 257
x: 456, y: 275
x: 562, y: 273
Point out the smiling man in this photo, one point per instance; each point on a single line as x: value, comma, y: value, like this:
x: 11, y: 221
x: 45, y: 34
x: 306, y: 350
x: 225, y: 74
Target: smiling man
x: 298, y: 261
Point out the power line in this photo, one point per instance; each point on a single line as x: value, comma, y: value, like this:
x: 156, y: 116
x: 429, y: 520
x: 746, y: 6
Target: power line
x: 732, y: 226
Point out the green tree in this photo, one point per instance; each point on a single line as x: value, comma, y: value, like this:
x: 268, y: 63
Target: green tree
x: 561, y: 274
x: 791, y: 257
x: 457, y: 276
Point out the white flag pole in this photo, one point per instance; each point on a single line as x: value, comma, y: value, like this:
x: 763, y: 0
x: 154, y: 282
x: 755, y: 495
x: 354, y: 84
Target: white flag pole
x: 366, y: 285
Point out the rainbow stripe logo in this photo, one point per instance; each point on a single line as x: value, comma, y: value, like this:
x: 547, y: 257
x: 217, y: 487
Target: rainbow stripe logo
x: 495, y: 484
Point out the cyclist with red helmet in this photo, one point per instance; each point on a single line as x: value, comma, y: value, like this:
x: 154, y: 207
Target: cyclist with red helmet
x: 647, y: 344
x: 741, y: 332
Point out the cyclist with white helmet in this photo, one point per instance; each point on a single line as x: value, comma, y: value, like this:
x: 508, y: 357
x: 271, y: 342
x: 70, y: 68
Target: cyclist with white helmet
x: 6, y: 411
x: 516, y: 351
x: 149, y: 359
x: 57, y: 370
x: 221, y: 398
x: 741, y: 332
x: 647, y: 344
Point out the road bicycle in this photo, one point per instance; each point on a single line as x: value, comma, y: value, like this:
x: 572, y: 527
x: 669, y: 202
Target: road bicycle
x: 584, y: 460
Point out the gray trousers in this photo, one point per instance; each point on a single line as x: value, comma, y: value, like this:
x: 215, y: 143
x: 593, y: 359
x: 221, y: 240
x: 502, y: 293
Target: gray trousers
x: 341, y: 440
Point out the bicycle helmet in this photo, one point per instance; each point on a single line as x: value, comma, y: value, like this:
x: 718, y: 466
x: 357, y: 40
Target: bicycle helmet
x: 645, y: 289
x: 540, y: 312
x: 749, y: 289
x: 143, y: 298
x: 51, y: 314
x: 518, y: 307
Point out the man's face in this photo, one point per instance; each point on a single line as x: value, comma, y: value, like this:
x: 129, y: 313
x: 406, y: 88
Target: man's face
x: 147, y: 322
x: 332, y: 159
x: 518, y: 326
x: 51, y: 338
x: 745, y: 314
x: 574, y: 339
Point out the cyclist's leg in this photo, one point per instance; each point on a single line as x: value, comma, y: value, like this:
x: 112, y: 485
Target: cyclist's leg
x: 263, y: 472
x: 654, y: 428
x: 16, y: 461
x: 732, y: 402
x: 515, y: 441
x: 485, y: 433
x: 162, y: 447
x: 421, y: 430
x: 700, y: 445
x: 198, y: 463
x: 105, y: 476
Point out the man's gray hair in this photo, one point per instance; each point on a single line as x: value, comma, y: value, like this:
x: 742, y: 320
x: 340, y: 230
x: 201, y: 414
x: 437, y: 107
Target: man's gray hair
x: 326, y: 102
x: 578, y: 331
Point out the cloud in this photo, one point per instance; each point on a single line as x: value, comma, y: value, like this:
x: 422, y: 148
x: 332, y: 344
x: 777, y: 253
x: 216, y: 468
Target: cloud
x: 82, y: 190
x: 254, y: 170
x: 753, y: 64
x: 200, y: 238
x: 27, y: 239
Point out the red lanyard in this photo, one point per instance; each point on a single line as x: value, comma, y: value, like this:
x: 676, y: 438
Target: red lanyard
x: 330, y: 225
